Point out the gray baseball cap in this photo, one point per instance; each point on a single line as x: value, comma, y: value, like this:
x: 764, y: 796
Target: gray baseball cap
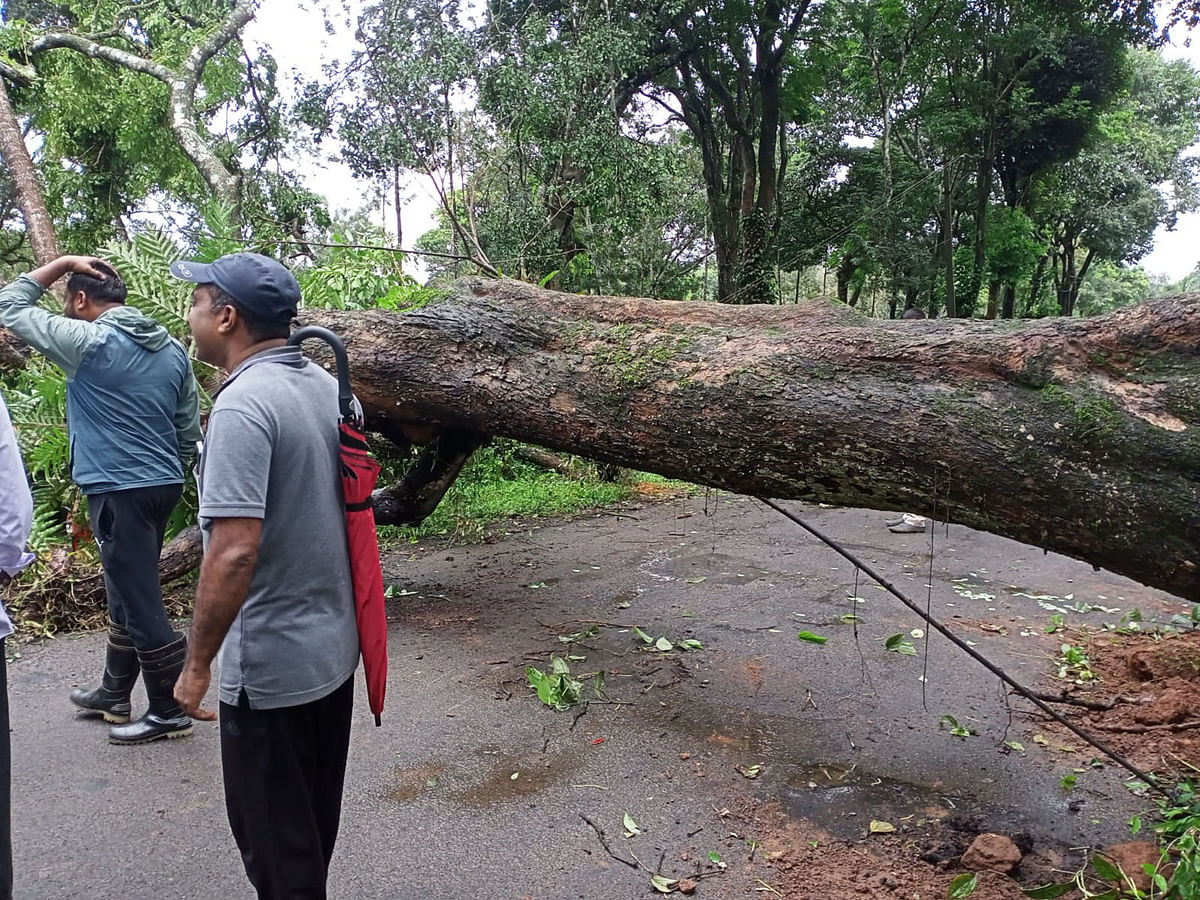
x: 261, y: 287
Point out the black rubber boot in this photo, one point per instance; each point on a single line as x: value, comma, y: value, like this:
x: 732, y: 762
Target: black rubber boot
x: 165, y: 718
x: 111, y: 698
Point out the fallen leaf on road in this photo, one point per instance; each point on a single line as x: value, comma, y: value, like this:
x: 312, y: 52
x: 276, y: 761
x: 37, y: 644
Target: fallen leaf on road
x: 880, y: 827
x: 663, y: 884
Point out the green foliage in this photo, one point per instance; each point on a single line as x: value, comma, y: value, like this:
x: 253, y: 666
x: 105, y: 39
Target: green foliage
x: 1176, y: 874
x: 37, y: 402
x: 356, y: 272
x: 962, y: 886
x: 1013, y: 245
x: 496, y: 485
x: 557, y: 688
x: 1109, y: 285
x: 952, y: 725
x: 108, y: 161
x: 1075, y: 665
x: 606, y: 148
x: 144, y: 264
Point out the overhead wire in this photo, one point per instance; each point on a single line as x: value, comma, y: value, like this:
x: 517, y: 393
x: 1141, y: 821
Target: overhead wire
x: 1149, y: 780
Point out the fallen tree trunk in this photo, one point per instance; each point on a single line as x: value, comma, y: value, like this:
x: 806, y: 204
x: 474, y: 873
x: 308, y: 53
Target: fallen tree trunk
x: 1078, y: 436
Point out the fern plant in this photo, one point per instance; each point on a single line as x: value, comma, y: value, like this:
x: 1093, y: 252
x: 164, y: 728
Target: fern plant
x: 344, y: 277
x: 144, y: 265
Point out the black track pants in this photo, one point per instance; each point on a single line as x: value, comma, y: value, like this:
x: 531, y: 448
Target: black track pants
x: 284, y: 770
x: 129, y: 528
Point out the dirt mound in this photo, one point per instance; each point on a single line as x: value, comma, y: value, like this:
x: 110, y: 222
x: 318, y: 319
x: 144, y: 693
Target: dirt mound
x: 1144, y: 699
x: 810, y: 865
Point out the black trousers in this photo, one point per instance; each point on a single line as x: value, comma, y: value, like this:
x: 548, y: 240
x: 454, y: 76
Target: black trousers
x: 284, y: 770
x: 129, y: 527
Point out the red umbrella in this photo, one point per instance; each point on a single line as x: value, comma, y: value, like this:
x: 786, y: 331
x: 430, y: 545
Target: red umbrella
x: 359, y: 474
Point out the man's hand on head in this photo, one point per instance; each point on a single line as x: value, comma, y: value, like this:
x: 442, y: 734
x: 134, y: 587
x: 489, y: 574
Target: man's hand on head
x: 86, y: 265
x: 52, y: 271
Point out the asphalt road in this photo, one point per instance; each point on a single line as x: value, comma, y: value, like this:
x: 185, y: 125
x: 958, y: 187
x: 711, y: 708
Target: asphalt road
x: 474, y: 789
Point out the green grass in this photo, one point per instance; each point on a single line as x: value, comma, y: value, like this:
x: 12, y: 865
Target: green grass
x: 494, y: 486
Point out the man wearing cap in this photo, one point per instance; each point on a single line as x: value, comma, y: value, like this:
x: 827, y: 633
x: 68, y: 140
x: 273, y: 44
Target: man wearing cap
x: 133, y: 422
x: 275, y: 594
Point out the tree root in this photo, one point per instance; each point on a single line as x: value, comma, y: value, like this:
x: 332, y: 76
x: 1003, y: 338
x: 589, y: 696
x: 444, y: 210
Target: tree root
x: 1098, y: 705
x: 1146, y: 729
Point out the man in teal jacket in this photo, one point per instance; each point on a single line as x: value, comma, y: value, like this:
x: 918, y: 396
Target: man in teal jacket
x: 133, y: 421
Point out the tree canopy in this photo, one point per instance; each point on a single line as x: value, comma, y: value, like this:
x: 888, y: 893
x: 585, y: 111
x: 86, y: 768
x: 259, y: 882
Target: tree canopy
x: 968, y: 158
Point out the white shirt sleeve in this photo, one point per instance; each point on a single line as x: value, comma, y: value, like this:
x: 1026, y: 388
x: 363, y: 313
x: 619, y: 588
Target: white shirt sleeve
x: 16, y: 503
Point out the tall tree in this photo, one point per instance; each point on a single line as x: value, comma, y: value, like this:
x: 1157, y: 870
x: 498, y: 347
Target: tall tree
x: 172, y: 44
x: 32, y: 202
x: 1133, y: 177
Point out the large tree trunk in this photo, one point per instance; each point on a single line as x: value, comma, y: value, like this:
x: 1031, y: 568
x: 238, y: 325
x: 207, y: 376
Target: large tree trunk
x: 947, y: 240
x: 38, y: 224
x: 1079, y: 436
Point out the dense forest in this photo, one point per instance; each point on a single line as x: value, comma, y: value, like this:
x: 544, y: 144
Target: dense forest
x: 963, y: 158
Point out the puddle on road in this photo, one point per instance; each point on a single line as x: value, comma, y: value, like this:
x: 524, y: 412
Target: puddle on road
x: 625, y: 596
x: 713, y: 568
x: 411, y: 782
x: 533, y: 775
x: 724, y: 728
x: 845, y: 799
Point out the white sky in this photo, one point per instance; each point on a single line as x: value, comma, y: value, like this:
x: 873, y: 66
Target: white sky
x: 294, y: 30
x: 295, y: 33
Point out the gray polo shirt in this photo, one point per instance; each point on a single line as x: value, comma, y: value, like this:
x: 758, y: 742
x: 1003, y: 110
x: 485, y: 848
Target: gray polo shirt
x: 271, y: 453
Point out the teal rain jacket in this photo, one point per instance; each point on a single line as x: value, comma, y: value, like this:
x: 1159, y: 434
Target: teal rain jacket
x: 133, y: 410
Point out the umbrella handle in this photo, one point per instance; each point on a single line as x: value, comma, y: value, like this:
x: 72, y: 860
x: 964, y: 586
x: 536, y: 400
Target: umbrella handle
x: 345, y: 393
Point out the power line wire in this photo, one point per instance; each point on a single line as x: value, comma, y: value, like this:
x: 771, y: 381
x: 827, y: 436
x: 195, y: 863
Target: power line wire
x: 1019, y: 688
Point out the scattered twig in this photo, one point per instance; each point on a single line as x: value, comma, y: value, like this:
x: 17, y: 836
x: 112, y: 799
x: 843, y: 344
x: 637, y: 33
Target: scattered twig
x: 607, y: 849
x: 1146, y: 729
x: 557, y: 625
x: 767, y: 887
x: 1179, y: 759
x: 1101, y: 705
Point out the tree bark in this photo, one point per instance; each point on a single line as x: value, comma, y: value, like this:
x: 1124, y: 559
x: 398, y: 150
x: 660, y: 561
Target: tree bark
x: 38, y: 224
x: 947, y: 238
x: 1078, y: 436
